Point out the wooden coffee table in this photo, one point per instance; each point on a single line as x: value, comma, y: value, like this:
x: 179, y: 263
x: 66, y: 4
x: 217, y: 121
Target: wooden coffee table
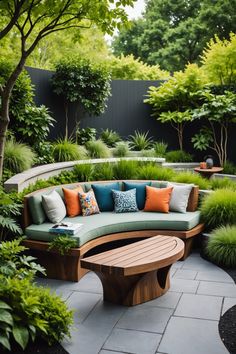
x: 137, y: 272
x: 208, y: 172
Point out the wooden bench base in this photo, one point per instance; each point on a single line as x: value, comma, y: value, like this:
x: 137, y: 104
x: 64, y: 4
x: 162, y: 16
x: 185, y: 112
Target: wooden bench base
x: 67, y: 267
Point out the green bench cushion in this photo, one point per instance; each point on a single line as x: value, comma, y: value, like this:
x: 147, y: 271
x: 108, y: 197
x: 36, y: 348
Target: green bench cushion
x: 109, y: 222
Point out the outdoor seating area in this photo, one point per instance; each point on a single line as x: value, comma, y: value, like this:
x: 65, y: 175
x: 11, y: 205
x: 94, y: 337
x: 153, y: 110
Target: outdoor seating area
x: 117, y: 177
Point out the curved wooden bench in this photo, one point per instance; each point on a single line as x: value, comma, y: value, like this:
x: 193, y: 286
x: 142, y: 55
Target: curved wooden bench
x: 68, y: 267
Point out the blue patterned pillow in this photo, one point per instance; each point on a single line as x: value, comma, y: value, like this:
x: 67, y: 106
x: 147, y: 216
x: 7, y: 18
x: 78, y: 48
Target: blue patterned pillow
x: 125, y: 201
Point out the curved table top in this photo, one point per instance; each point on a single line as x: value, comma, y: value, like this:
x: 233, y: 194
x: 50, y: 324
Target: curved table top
x: 138, y: 257
x: 208, y: 170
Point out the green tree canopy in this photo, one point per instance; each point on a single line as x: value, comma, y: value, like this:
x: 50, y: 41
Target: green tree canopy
x: 37, y: 19
x: 174, y: 32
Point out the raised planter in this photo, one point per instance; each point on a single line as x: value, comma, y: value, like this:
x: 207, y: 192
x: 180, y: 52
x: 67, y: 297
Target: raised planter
x: 22, y: 180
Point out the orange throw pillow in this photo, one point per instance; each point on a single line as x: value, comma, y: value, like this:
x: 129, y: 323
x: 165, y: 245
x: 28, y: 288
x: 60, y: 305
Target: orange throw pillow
x: 72, y: 201
x: 157, y: 199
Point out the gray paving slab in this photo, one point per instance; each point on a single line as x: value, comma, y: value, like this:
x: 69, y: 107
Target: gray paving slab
x: 64, y: 294
x: 105, y: 312
x: 198, y: 264
x: 90, y: 283
x: 168, y: 300
x: 217, y: 275
x: 228, y: 303
x: 177, y: 265
x: 192, y: 336
x: 82, y: 304
x: 217, y: 289
x: 104, y: 351
x: 135, y: 342
x: 199, y: 306
x: 184, y: 285
x: 143, y: 318
x: 185, y: 274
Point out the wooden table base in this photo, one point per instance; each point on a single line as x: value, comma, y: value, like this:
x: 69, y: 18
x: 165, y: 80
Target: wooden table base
x: 135, y: 289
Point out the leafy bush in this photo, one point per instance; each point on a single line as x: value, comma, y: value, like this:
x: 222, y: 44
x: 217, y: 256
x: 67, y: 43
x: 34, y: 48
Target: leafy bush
x: 221, y: 247
x: 189, y: 177
x: 63, y: 243
x: 85, y: 134
x: 151, y: 171
x: 219, y: 208
x: 160, y: 148
x: 110, y: 137
x: 148, y: 153
x: 15, y: 264
x: 129, y: 68
x: 97, y: 149
x: 32, y: 126
x: 126, y: 169
x: 178, y: 156
x: 104, y: 171
x: 220, y: 183
x: 66, y: 150
x: 84, y: 172
x: 121, y: 149
x: 44, y: 150
x: 18, y: 157
x: 28, y: 312
x: 140, y: 141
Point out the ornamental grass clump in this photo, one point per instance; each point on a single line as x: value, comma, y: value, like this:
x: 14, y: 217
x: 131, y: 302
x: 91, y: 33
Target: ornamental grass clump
x: 18, y: 157
x: 221, y: 248
x: 66, y: 150
x: 189, y: 177
x: 220, y: 183
x: 104, y: 172
x: 97, y: 149
x: 121, y: 149
x: 126, y: 169
x: 219, y: 208
x: 152, y: 171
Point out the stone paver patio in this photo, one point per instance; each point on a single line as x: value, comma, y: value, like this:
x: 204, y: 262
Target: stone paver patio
x: 183, y: 321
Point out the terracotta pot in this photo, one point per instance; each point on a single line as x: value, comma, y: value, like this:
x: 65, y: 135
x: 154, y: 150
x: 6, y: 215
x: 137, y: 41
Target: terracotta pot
x: 203, y: 165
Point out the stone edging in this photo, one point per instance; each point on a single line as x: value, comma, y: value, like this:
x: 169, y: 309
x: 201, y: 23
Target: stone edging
x: 22, y: 180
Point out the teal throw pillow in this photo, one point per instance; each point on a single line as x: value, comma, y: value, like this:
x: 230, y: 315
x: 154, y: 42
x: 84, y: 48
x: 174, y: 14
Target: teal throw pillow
x: 125, y: 202
x: 140, y: 191
x: 103, y: 194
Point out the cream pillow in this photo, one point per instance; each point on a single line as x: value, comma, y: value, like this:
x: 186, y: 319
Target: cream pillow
x: 179, y: 197
x: 54, y: 206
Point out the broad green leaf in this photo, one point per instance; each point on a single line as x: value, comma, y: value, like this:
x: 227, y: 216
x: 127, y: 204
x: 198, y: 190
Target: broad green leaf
x: 21, y: 335
x: 5, y: 341
x: 6, y: 317
x: 4, y: 305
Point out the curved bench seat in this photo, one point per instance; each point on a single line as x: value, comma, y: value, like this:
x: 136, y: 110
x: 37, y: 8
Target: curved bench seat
x: 109, y: 222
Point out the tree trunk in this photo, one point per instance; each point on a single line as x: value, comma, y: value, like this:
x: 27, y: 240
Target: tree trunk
x: 4, y: 115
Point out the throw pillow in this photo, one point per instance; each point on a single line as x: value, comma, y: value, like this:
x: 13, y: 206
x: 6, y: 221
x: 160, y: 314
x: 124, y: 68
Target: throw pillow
x: 88, y: 203
x: 54, y: 206
x: 179, y: 197
x: 103, y: 194
x: 140, y: 191
x: 125, y: 201
x: 72, y: 201
x: 157, y: 199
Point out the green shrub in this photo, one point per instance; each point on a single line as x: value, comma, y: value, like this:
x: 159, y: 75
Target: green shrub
x: 28, y: 311
x: 140, y: 141
x: 85, y: 134
x: 63, y: 243
x: 97, y: 149
x: 18, y: 157
x: 148, y: 153
x: 219, y: 208
x: 160, y: 148
x: 221, y: 247
x: 121, y: 149
x: 153, y: 171
x: 110, y: 137
x: 190, y: 177
x: 126, y: 169
x: 44, y: 152
x: 229, y: 168
x: 104, y: 172
x: 178, y: 156
x: 84, y: 172
x: 220, y: 183
x: 66, y: 150
x: 15, y: 264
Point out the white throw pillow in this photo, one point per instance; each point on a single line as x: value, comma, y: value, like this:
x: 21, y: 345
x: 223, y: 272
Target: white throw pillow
x: 54, y: 206
x: 179, y: 197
